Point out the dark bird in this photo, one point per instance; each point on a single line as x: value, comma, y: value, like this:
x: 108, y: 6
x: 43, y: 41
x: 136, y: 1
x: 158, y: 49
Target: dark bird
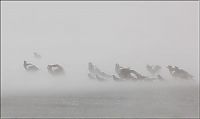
x: 30, y: 67
x: 55, y: 69
x: 176, y: 72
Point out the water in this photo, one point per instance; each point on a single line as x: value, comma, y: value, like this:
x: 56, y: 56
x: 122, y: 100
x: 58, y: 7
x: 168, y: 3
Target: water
x: 108, y: 99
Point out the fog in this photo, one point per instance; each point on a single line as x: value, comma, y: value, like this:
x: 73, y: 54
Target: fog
x: 72, y: 34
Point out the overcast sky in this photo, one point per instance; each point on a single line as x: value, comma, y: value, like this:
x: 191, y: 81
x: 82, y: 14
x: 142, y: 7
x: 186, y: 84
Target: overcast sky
x: 73, y: 33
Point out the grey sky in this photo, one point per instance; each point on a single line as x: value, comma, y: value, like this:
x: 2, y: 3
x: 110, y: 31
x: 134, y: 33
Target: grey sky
x: 74, y: 33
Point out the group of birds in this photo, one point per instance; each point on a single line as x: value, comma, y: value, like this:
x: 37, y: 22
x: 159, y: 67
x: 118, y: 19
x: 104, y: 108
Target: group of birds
x: 54, y: 69
x: 122, y: 73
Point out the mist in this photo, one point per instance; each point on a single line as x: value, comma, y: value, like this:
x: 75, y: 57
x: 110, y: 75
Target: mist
x: 72, y: 34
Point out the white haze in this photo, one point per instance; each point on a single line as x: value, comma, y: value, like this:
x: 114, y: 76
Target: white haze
x: 72, y: 34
